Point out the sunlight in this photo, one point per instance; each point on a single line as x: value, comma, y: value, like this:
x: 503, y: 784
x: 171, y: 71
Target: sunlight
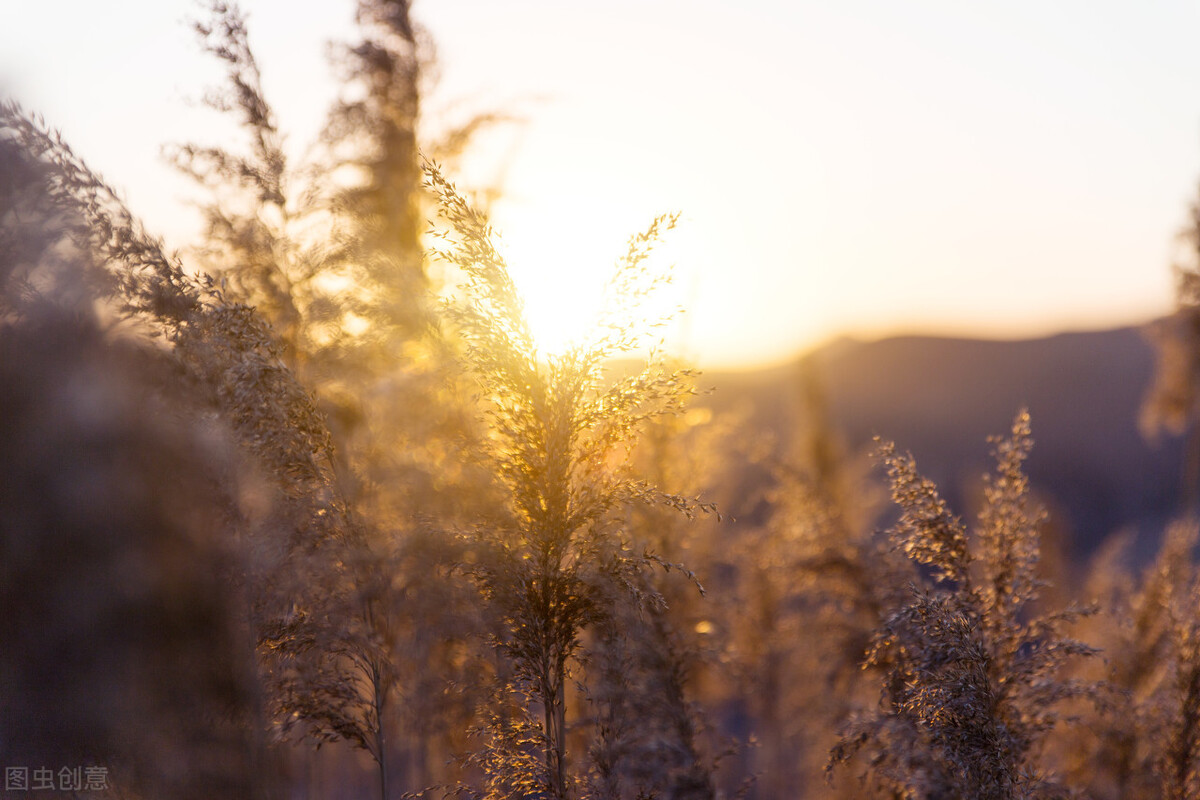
x: 563, y: 285
x: 561, y: 304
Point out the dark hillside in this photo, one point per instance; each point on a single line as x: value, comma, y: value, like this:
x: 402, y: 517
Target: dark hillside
x: 941, y: 398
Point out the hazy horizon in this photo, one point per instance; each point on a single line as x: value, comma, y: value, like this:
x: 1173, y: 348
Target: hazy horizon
x: 840, y: 168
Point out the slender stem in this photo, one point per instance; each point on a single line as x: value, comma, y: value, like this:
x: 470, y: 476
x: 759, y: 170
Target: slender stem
x: 380, y: 738
x: 555, y: 715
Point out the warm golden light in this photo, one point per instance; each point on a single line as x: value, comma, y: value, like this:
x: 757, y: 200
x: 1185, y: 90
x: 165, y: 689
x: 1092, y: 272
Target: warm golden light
x: 561, y: 302
x: 564, y: 285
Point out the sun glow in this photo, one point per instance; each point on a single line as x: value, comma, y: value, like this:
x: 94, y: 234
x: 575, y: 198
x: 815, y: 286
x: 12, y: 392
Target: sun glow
x: 562, y: 300
x: 564, y: 288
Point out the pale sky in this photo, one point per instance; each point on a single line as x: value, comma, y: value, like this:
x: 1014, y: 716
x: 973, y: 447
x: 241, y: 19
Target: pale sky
x: 845, y: 166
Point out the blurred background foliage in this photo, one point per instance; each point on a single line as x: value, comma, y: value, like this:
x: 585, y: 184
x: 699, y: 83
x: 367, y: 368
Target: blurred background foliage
x: 285, y: 516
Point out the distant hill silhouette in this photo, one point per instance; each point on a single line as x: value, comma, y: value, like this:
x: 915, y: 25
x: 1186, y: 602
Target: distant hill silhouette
x: 940, y: 398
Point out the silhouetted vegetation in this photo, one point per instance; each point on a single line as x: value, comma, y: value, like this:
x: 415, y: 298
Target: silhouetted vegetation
x: 284, y: 517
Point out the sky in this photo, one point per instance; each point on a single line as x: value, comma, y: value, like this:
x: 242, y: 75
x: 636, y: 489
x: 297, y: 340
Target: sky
x: 842, y: 167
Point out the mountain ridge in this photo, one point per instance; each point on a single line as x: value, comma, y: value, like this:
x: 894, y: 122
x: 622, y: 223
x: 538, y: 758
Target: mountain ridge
x: 940, y: 398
